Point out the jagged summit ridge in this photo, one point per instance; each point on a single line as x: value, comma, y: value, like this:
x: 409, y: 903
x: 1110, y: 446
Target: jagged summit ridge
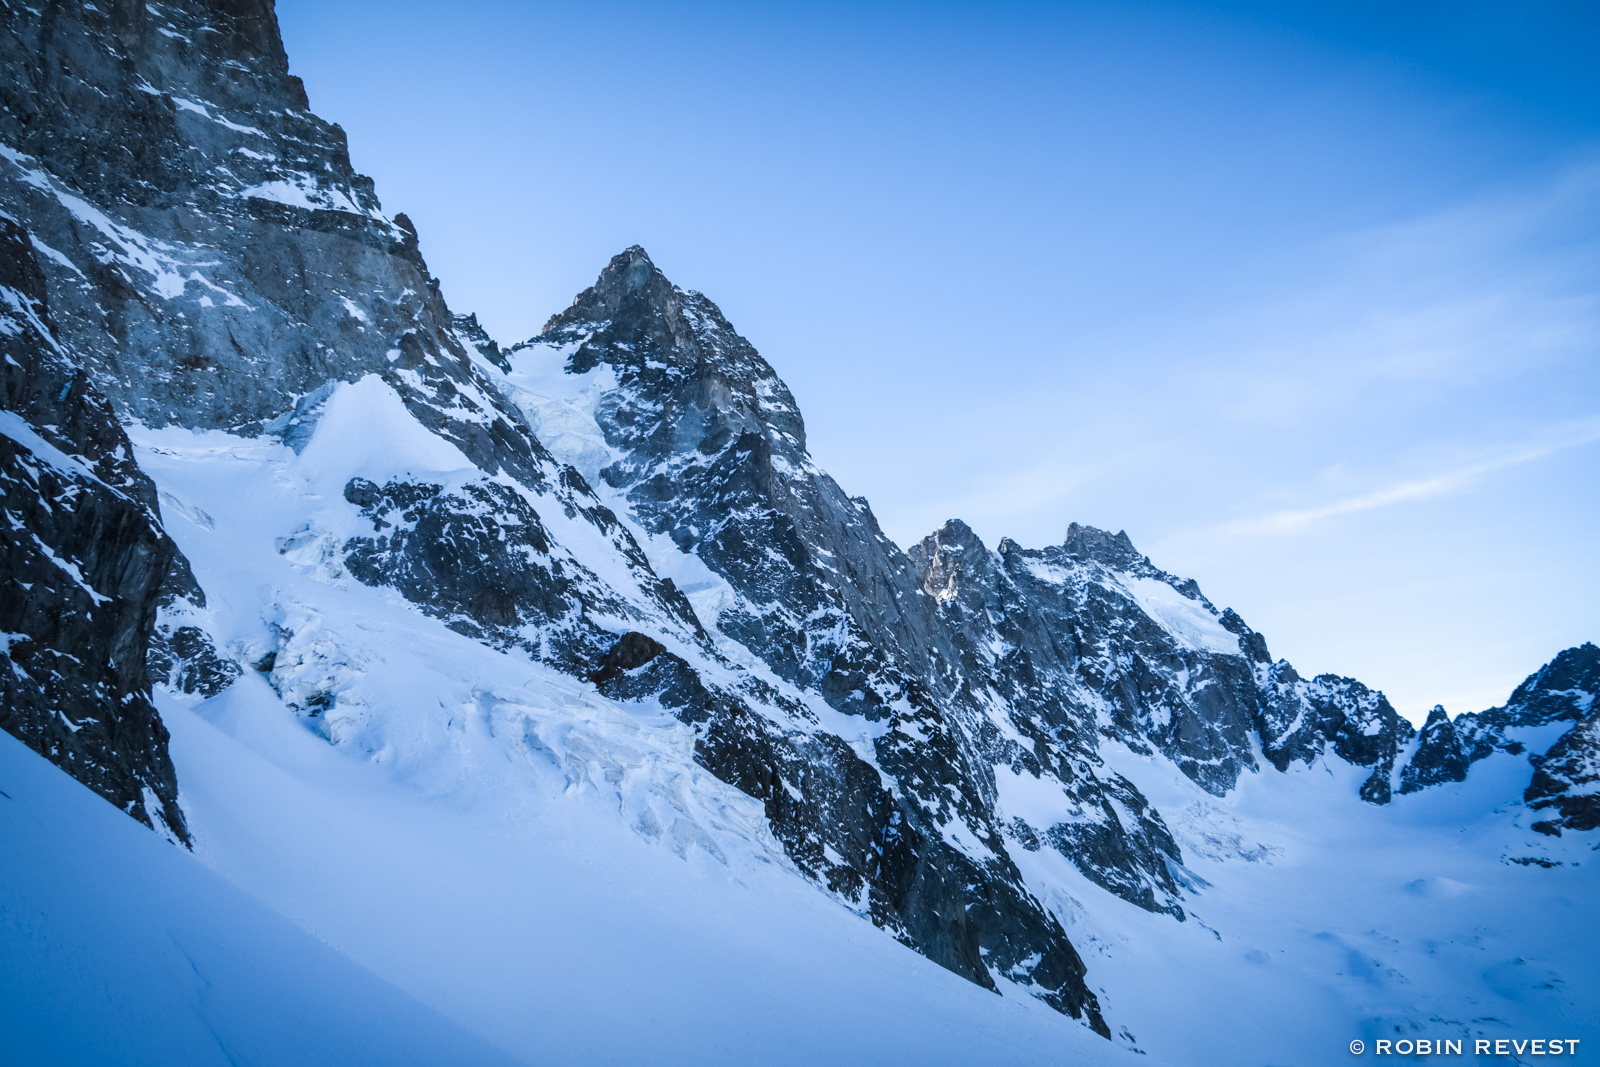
x: 707, y: 454
x: 630, y: 276
x: 620, y: 513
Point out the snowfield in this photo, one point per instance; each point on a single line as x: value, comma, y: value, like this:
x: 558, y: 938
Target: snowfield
x: 552, y: 873
x: 546, y: 868
x: 119, y: 948
x: 519, y: 715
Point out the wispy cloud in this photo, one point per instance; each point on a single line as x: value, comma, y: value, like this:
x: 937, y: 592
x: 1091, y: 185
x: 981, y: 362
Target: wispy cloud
x: 1498, y: 287
x: 1557, y: 439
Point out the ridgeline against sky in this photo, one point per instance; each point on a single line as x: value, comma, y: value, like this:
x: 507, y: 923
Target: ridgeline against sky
x: 1302, y: 296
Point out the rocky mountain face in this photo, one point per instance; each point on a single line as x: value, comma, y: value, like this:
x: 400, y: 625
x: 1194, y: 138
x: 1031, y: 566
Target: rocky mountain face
x: 84, y: 562
x: 627, y: 497
x: 214, y: 262
x: 1565, y: 776
x: 889, y: 808
x: 1012, y: 669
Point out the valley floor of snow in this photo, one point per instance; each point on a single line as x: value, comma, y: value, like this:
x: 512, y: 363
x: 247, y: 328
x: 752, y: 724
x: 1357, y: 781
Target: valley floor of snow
x: 465, y: 857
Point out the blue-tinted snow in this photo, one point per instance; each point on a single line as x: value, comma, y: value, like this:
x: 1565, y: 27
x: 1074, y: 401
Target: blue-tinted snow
x: 118, y: 948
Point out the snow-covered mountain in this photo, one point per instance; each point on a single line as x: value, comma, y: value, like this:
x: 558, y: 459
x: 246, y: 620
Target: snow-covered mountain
x: 560, y: 675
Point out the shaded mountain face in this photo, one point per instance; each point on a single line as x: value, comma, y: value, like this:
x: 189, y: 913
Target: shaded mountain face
x: 1031, y: 659
x: 215, y: 265
x: 84, y: 562
x: 213, y: 262
x: 627, y: 497
x: 890, y: 803
x: 1565, y: 776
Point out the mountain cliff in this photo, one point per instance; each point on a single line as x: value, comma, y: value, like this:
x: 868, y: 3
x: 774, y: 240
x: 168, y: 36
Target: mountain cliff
x: 217, y: 341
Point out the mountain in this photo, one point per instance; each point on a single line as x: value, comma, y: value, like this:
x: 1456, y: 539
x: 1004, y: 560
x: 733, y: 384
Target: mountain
x: 291, y: 545
x: 85, y: 559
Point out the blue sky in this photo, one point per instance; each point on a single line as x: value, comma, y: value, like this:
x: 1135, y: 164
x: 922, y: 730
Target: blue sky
x: 1305, y: 297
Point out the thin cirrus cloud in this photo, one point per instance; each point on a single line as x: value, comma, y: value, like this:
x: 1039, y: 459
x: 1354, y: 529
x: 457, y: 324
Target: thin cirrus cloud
x: 1251, y: 281
x: 1417, y: 339
x: 1560, y: 438
x: 1504, y: 285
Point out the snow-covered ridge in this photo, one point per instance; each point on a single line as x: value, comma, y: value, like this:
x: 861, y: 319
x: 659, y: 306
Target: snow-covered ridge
x: 363, y: 669
x: 585, y: 708
x: 1192, y: 623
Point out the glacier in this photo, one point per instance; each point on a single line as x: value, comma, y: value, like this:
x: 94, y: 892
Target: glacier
x: 548, y: 703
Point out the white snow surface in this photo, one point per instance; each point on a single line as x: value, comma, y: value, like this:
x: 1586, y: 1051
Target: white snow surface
x: 552, y: 873
x: 547, y: 869
x: 1322, y: 919
x: 560, y: 407
x: 120, y: 948
x: 1190, y: 622
x: 306, y: 192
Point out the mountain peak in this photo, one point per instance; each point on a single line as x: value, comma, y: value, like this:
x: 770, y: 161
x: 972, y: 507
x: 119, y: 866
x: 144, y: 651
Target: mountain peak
x: 631, y: 285
x: 957, y: 532
x: 1088, y: 542
x: 630, y: 270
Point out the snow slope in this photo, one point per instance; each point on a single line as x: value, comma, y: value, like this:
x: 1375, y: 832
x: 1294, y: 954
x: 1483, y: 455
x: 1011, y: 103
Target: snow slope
x: 545, y: 867
x: 1315, y: 918
x: 553, y: 871
x: 119, y: 948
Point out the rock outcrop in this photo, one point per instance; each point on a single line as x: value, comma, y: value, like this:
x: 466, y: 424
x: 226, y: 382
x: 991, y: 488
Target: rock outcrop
x: 83, y: 566
x: 627, y: 497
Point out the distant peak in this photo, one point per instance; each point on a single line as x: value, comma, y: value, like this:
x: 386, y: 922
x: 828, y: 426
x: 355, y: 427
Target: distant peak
x: 1090, y: 541
x: 630, y: 270
x: 951, y: 551
x: 631, y: 283
x: 955, y: 528
x: 953, y: 535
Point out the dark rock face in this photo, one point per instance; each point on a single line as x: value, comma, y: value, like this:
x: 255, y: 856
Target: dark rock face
x: 1006, y: 666
x: 214, y: 258
x: 708, y: 429
x: 1092, y: 628
x: 1562, y: 690
x: 1031, y: 635
x: 840, y: 824
x: 212, y: 261
x: 479, y: 556
x: 632, y: 650
x: 713, y: 458
x: 84, y: 562
x: 1567, y: 779
x: 218, y: 264
x: 1301, y: 720
x: 1566, y: 776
